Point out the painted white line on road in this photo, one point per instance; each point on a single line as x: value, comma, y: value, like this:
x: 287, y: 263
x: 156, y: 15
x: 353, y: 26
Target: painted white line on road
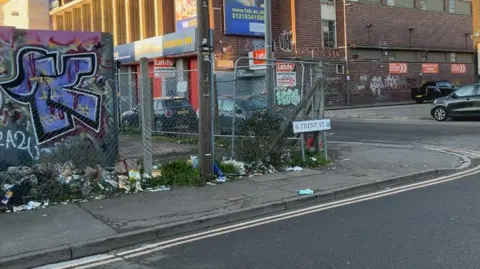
x: 195, y: 237
x: 78, y: 262
x: 407, y: 121
x: 470, y: 152
x: 147, y: 249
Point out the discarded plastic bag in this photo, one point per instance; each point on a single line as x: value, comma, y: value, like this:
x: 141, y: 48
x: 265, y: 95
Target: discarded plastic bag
x: 134, y: 174
x: 194, y: 161
x: 32, y: 205
x: 305, y: 192
x: 296, y: 168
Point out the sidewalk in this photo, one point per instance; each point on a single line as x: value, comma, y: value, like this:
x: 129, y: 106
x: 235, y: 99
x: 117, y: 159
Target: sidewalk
x: 401, y: 112
x: 70, y: 231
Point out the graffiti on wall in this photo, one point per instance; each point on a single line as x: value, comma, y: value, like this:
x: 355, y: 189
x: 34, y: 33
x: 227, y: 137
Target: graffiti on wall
x: 377, y: 84
x: 285, y: 41
x: 287, y: 96
x: 54, y: 86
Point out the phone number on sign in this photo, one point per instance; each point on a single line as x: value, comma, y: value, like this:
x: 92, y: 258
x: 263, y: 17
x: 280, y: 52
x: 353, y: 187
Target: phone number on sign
x: 246, y: 16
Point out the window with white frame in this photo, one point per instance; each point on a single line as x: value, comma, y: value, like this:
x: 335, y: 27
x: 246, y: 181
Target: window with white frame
x: 329, y: 34
x: 451, y: 6
x: 340, y: 69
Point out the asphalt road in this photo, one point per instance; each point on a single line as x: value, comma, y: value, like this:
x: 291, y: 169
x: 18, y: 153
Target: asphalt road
x: 435, y: 227
x: 462, y: 134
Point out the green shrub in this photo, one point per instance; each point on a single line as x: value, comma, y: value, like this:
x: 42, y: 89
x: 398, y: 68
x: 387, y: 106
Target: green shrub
x: 228, y: 168
x: 312, y: 160
x: 178, y: 172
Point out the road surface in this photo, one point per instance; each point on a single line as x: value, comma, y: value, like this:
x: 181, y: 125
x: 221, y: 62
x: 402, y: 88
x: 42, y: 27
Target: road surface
x: 434, y: 227
x: 462, y: 134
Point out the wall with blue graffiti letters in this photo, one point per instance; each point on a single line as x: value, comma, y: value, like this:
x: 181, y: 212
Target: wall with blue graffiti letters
x: 55, y: 87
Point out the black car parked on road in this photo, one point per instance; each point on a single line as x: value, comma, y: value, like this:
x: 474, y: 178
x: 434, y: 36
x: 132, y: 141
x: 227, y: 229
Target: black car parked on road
x: 243, y: 108
x: 463, y: 102
x: 432, y: 90
x: 172, y: 114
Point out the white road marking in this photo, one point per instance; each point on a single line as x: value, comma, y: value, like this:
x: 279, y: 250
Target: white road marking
x: 144, y: 250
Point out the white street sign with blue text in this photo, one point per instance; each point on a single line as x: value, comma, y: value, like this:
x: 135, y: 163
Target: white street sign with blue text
x: 311, y: 126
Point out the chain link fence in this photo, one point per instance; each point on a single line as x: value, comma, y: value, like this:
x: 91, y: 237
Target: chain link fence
x: 243, y: 128
x: 173, y: 121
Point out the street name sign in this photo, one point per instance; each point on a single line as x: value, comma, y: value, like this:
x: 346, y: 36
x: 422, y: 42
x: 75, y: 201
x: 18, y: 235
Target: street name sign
x: 311, y: 126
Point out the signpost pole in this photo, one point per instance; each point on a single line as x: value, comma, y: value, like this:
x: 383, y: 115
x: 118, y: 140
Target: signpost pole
x: 324, y: 138
x: 302, y: 138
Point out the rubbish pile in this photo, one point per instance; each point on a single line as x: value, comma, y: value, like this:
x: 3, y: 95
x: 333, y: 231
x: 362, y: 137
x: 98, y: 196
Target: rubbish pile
x: 27, y: 188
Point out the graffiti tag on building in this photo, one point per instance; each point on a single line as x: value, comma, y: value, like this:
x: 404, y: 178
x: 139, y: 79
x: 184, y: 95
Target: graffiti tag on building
x: 287, y: 96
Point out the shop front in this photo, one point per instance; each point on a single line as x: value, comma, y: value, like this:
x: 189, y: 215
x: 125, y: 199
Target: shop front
x: 172, y: 67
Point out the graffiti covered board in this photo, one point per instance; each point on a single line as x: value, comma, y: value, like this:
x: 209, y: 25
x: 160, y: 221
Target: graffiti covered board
x: 56, y: 90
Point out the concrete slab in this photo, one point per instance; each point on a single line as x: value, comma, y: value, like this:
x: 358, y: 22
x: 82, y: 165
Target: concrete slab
x: 286, y: 175
x: 180, y: 204
x: 415, y: 111
x: 48, y: 228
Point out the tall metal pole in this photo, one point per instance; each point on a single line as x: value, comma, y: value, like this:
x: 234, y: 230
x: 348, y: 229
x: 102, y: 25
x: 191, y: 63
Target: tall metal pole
x: 347, y: 70
x: 269, y: 55
x: 204, y: 52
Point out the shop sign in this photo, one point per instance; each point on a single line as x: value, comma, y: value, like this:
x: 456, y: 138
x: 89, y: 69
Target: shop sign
x: 430, y: 68
x: 183, y: 41
x: 398, y: 68
x: 255, y: 61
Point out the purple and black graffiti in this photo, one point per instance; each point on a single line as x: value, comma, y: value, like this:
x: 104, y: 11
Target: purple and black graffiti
x: 51, y: 86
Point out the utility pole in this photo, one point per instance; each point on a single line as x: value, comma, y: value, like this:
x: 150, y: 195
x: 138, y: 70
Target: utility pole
x: 269, y: 55
x: 204, y: 52
x: 345, y: 41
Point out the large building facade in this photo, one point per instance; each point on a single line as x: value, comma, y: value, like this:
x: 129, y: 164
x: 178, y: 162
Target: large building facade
x: 391, y: 45
x: 25, y: 14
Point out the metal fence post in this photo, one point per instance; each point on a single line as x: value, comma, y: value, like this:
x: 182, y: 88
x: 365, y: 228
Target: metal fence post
x: 146, y: 108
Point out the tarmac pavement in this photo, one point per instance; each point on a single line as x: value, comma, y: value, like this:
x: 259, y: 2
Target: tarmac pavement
x: 76, y: 230
x: 400, y: 112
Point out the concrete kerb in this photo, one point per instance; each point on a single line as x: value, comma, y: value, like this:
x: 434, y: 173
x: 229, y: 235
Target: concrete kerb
x: 106, y: 244
x: 37, y: 258
x: 369, y: 117
x: 372, y: 105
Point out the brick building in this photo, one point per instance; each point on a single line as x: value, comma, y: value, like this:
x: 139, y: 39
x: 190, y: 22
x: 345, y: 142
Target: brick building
x: 392, y: 45
x: 396, y: 44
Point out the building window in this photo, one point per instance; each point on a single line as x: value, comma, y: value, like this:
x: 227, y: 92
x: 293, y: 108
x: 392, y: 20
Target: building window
x: 340, y: 69
x: 451, y: 6
x: 327, y: 1
x: 329, y: 34
x: 433, y: 5
x: 370, y: 1
x: 401, y: 3
x: 452, y: 57
x: 463, y: 7
x: 423, y: 5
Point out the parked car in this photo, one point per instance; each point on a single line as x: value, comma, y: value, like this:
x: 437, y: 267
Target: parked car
x: 243, y: 108
x: 171, y: 114
x: 432, y: 90
x: 463, y: 102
